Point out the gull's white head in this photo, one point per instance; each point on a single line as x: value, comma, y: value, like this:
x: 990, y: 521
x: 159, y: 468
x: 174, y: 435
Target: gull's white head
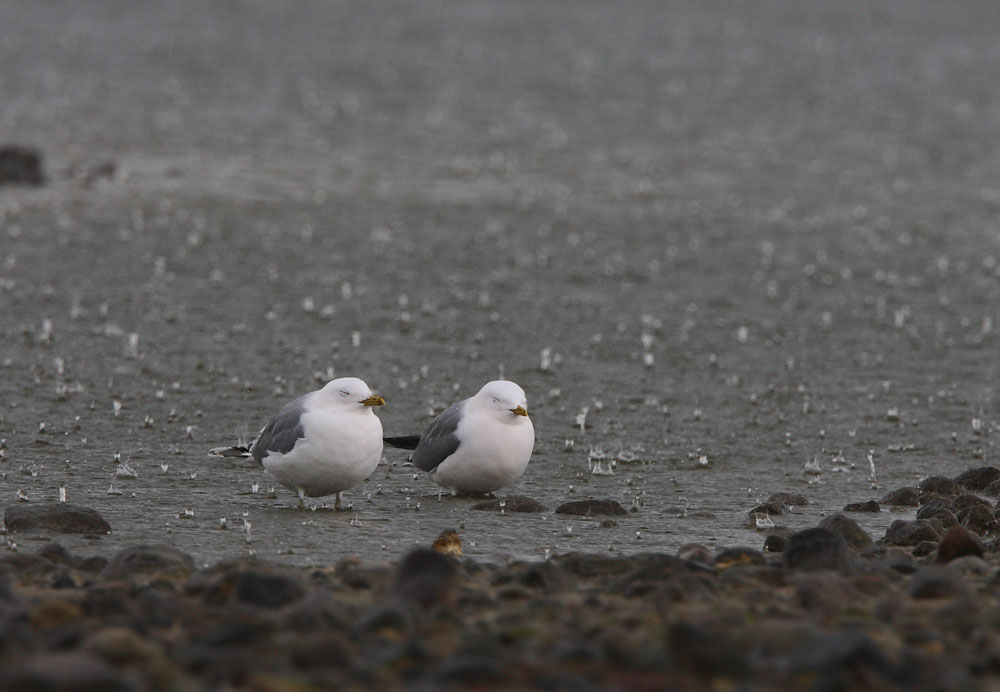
x: 505, y: 397
x: 350, y: 392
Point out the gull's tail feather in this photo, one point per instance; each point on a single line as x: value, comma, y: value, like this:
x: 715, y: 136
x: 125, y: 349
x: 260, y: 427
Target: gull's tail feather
x: 404, y: 442
x: 236, y: 451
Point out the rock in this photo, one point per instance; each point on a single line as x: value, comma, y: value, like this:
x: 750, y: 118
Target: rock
x: 319, y: 610
x: 512, y: 503
x: 695, y: 552
x: 20, y: 165
x: 869, y: 506
x: 707, y: 651
x: 260, y: 588
x: 901, y: 497
x: 770, y: 508
x: 448, y: 543
x: 924, y: 548
x: 839, y: 660
x: 929, y: 502
x: 978, y: 478
x: 25, y: 566
x: 968, y: 500
x: 427, y: 579
x: 547, y: 577
x: 909, y: 533
x: 993, y: 489
x: 957, y: 542
x: 148, y: 560
x: 979, y: 519
x: 937, y: 581
x: 608, y: 524
x: 70, y: 671
x: 789, y: 499
x: 819, y: 548
x: 322, y: 650
x: 938, y: 485
x: 587, y: 508
x: 851, y: 530
x: 823, y: 592
x: 60, y: 517
x: 732, y: 557
x: 775, y: 540
x: 937, y: 516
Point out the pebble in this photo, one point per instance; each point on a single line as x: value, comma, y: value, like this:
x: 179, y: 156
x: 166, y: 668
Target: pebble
x: 59, y: 517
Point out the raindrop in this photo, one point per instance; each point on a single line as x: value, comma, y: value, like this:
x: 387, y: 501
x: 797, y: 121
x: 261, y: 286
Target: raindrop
x: 223, y: 523
x: 164, y: 467
x: 126, y: 471
x: 116, y: 406
x: 22, y: 495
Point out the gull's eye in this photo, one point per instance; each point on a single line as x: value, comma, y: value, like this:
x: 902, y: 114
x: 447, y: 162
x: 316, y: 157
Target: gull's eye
x: 496, y: 400
x: 344, y: 392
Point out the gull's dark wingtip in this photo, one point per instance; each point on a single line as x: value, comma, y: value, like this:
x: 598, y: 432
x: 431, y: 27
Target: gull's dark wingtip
x: 235, y: 451
x: 404, y: 442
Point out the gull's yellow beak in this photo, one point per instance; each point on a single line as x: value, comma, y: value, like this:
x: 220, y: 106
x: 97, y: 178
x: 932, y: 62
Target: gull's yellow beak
x: 373, y: 400
x: 520, y: 411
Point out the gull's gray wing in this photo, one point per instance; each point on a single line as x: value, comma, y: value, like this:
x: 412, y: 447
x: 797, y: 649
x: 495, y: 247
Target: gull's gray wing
x: 281, y: 432
x: 440, y: 440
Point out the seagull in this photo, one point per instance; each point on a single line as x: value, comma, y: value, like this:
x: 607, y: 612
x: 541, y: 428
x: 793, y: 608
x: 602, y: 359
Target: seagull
x: 477, y: 445
x: 322, y: 443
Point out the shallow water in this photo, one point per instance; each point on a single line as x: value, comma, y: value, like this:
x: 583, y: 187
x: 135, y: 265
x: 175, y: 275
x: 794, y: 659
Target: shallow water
x: 744, y: 241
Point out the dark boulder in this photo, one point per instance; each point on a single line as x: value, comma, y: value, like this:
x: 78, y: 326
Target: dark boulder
x: 938, y: 485
x: 145, y: 560
x: 978, y: 478
x: 958, y: 542
x: 901, y: 497
x: 851, y: 530
x: 869, y: 506
x: 909, y: 533
x: 819, y: 548
x: 59, y: 517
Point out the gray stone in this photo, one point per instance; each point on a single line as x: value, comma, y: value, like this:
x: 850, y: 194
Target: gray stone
x: 817, y: 549
x: 59, y: 517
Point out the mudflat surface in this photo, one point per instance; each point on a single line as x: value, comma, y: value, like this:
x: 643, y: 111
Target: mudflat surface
x: 745, y: 240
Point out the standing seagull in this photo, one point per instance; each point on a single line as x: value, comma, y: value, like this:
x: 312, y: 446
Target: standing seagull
x: 322, y: 443
x: 478, y: 445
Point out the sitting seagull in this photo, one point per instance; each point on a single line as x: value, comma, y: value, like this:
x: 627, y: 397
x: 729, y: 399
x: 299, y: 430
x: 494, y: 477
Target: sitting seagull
x: 322, y: 443
x: 477, y: 445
